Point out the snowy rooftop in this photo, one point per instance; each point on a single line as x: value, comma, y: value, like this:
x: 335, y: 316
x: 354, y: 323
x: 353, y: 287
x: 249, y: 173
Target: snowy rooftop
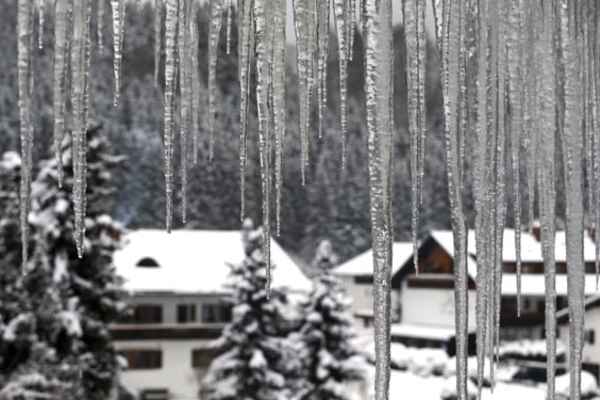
x: 363, y: 263
x: 194, y: 262
x: 531, y: 249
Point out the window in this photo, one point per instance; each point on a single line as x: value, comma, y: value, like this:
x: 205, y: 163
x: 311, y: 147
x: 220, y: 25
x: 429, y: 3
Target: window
x: 590, y: 336
x: 363, y: 279
x: 155, y: 394
x: 216, y: 313
x: 147, y: 263
x: 143, y: 359
x: 143, y: 314
x: 186, y: 313
x: 201, y: 358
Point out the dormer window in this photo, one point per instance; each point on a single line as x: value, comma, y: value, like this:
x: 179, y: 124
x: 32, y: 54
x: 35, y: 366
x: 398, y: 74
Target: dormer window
x: 147, y: 263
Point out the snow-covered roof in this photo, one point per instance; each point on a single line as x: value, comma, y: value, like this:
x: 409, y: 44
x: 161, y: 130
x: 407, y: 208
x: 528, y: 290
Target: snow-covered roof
x: 531, y: 249
x: 423, y: 331
x: 194, y: 261
x: 363, y: 263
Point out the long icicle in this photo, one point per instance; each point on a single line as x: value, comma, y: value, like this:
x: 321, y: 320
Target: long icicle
x: 61, y: 62
x: 341, y: 20
x: 244, y: 25
x: 100, y: 25
x: 118, y: 13
x: 416, y: 53
x: 41, y: 20
x: 278, y: 98
x: 158, y: 7
x: 79, y: 100
x: 379, y: 56
x: 323, y: 19
x: 448, y: 26
x: 25, y: 71
x: 570, y: 133
x: 214, y: 28
x: 262, y: 102
x: 172, y: 7
x: 305, y: 23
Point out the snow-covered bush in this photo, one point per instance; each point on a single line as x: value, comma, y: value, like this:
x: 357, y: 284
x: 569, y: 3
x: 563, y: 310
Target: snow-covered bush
x: 534, y: 350
x: 589, y: 386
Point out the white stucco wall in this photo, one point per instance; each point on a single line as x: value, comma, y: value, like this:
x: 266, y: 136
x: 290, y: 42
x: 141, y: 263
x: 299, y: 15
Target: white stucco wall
x: 361, y: 296
x: 432, y: 306
x: 591, y: 352
x: 176, y: 374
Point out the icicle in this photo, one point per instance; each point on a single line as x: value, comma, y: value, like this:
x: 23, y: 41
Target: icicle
x: 416, y: 52
x: 79, y: 100
x: 341, y: 21
x: 25, y: 71
x: 323, y: 12
x: 137, y: 5
x: 61, y: 52
x: 229, y: 23
x: 516, y: 112
x: 158, y: 6
x: 447, y: 16
x: 185, y: 88
x: 262, y: 102
x: 41, y: 18
x: 195, y: 76
x: 118, y: 12
x: 304, y: 13
x: 351, y: 4
x: 379, y: 55
x: 278, y: 98
x: 214, y: 27
x: 170, y: 76
x: 100, y: 26
x: 244, y: 25
x: 570, y: 133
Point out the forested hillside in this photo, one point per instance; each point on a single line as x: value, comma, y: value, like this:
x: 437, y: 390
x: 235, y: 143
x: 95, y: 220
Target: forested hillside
x: 334, y: 202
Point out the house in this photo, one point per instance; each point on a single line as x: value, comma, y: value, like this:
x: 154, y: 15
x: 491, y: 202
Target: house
x: 591, y: 346
x: 177, y: 284
x: 356, y: 276
x: 424, y: 304
x: 436, y: 260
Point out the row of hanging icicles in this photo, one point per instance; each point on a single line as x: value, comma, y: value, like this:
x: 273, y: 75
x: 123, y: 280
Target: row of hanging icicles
x: 520, y: 82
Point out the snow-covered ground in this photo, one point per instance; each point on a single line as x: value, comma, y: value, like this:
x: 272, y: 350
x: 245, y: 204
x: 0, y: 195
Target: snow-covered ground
x: 429, y: 374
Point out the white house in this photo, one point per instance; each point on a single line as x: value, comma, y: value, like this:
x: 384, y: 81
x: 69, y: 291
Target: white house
x: 177, y: 283
x: 356, y: 276
x: 591, y: 347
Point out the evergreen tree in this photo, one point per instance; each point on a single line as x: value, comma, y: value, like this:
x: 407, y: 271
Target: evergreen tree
x: 255, y: 361
x: 330, y: 359
x: 55, y: 340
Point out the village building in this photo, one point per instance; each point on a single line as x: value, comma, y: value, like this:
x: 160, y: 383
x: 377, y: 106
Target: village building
x: 178, y: 288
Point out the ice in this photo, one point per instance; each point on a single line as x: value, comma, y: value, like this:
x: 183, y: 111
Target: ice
x: 170, y: 84
x: 278, y: 97
x: 572, y: 144
x: 25, y: 71
x: 61, y: 62
x: 41, y: 17
x: 214, y: 27
x: 158, y: 7
x: 341, y: 13
x: 229, y: 23
x: 305, y: 23
x: 323, y: 33
x: 261, y: 15
x: 416, y: 51
x: 379, y: 55
x: 244, y: 39
x: 118, y: 13
x: 80, y: 58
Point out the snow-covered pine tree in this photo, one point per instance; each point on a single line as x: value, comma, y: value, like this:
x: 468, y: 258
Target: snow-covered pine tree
x: 255, y: 361
x: 87, y: 289
x: 330, y: 359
